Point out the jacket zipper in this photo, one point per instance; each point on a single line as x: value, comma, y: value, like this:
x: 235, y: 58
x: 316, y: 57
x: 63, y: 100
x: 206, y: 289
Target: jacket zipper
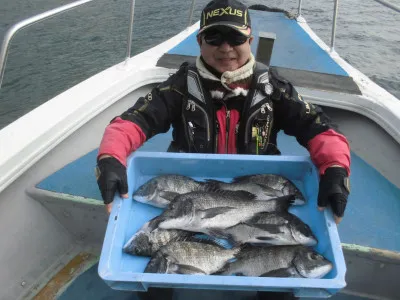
x: 216, y: 137
x: 262, y: 110
x: 187, y: 134
x: 228, y: 121
x: 192, y: 106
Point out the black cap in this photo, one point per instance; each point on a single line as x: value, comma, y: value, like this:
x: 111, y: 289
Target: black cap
x: 229, y: 13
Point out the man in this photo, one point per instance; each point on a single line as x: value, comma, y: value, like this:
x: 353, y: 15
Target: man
x: 226, y: 103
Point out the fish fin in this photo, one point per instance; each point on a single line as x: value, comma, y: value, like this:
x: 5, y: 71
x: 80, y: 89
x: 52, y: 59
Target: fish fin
x: 240, y: 194
x: 153, y: 223
x: 219, y: 233
x: 210, y: 240
x: 284, y: 202
x: 264, y: 238
x: 268, y: 191
x: 260, y: 217
x: 168, y: 195
x: 187, y: 269
x: 271, y: 228
x: 166, y: 214
x: 211, y: 186
x: 224, y: 270
x: 178, y: 209
x: 283, y: 272
x: 157, y: 264
x: 128, y: 247
x: 213, y: 182
x: 299, y: 201
x: 243, y: 250
x: 212, y: 212
x: 241, y: 178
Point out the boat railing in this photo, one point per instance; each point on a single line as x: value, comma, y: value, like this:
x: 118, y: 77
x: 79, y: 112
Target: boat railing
x: 191, y: 13
x: 335, y: 14
x: 130, y: 32
x: 11, y: 32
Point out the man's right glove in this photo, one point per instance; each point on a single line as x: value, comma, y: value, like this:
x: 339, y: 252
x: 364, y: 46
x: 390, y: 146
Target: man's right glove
x: 111, y: 175
x: 334, y: 189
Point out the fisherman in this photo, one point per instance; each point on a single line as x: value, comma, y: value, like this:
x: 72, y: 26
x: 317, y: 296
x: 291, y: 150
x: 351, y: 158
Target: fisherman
x: 226, y: 103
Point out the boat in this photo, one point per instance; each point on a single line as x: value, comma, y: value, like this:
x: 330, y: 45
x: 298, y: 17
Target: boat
x: 52, y: 215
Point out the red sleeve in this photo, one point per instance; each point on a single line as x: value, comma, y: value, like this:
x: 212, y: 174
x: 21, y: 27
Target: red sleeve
x: 329, y: 148
x: 120, y: 139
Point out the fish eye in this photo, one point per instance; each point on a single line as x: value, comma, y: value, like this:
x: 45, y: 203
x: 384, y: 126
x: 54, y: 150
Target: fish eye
x: 315, y: 256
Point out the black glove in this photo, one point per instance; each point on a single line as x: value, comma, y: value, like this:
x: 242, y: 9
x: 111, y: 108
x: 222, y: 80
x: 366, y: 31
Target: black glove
x: 111, y: 175
x: 334, y: 188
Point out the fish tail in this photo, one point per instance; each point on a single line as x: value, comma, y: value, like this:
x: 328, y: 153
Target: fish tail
x: 225, y: 270
x: 284, y: 202
x: 291, y: 188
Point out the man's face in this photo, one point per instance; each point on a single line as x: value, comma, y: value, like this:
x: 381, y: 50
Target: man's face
x: 220, y: 49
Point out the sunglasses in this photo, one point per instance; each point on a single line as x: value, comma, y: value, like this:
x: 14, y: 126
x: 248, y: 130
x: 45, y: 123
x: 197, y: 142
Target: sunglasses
x: 217, y: 38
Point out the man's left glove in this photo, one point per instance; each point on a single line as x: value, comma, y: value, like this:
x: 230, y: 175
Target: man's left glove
x: 111, y: 176
x: 334, y: 189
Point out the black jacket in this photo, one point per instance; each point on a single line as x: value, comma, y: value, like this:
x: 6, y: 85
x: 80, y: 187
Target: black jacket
x: 184, y: 101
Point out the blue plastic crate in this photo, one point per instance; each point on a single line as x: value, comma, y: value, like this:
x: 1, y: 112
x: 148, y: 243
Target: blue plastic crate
x: 125, y: 272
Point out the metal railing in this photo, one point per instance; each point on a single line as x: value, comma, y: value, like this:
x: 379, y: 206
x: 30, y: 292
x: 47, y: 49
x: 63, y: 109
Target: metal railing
x: 130, y: 32
x: 11, y: 32
x: 390, y: 5
x: 299, y: 9
x: 335, y: 14
x: 191, y: 13
x: 27, y: 22
x: 51, y: 13
x: 46, y: 15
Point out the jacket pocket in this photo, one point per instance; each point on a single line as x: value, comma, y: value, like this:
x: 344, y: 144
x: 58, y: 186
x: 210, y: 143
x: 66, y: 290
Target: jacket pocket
x: 258, y: 130
x: 197, y: 124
